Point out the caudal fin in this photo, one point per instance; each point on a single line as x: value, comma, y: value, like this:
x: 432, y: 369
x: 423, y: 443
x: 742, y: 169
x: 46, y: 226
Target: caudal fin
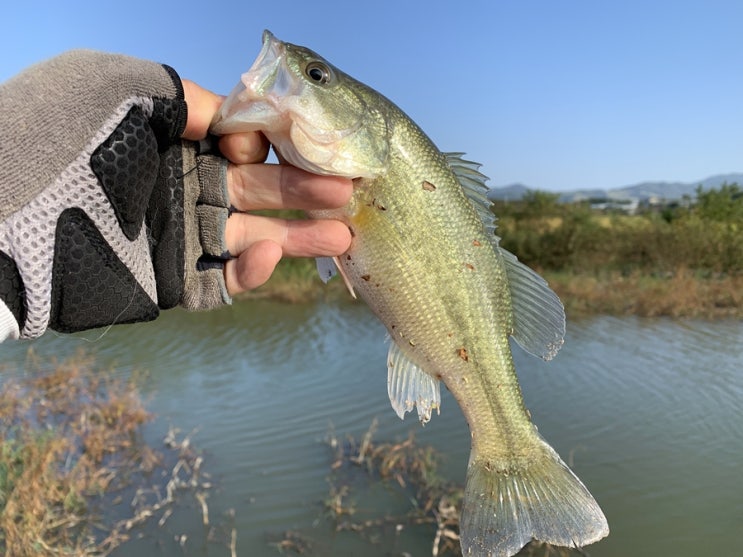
x: 503, y: 510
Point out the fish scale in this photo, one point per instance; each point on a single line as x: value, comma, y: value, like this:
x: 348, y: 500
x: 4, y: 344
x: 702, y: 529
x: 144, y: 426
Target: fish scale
x: 424, y: 258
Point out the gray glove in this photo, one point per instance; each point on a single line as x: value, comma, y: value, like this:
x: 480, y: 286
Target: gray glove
x: 106, y: 215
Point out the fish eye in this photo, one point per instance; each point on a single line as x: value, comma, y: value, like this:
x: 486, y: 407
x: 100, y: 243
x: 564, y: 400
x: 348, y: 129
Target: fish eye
x: 318, y: 72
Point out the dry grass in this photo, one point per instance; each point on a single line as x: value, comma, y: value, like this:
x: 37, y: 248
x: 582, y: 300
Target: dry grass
x: 65, y: 432
x: 679, y: 294
x: 70, y: 441
x: 408, y: 467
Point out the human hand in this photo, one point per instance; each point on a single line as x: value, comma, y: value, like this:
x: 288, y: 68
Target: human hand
x: 259, y: 242
x: 113, y: 210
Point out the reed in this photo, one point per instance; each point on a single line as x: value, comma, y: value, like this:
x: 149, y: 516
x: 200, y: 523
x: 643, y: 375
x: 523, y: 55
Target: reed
x: 680, y: 294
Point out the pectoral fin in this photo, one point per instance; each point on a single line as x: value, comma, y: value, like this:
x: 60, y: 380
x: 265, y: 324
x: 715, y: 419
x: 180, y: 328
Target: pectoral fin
x: 408, y: 386
x: 327, y: 268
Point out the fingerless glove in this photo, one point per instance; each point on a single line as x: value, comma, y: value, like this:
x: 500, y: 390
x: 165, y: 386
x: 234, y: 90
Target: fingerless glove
x: 106, y: 215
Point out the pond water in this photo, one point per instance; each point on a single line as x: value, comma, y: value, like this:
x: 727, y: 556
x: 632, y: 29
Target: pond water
x: 649, y: 412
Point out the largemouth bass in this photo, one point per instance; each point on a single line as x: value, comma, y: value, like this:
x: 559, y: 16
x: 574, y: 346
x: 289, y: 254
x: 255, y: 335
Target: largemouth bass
x: 425, y: 259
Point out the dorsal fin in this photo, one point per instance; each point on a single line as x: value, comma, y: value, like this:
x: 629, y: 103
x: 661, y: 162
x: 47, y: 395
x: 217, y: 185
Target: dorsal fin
x: 473, y: 183
x: 538, y: 314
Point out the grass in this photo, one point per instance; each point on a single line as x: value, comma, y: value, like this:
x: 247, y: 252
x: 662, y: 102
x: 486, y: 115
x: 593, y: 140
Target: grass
x: 681, y: 260
x: 408, y: 467
x: 65, y: 433
x: 71, y: 450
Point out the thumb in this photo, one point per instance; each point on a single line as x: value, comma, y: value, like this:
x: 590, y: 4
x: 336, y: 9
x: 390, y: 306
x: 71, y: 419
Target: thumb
x: 202, y: 105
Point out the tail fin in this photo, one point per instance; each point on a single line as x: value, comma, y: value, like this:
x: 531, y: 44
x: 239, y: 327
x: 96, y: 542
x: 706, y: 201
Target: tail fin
x: 503, y: 510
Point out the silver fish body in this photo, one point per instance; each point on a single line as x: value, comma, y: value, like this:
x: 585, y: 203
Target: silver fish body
x: 425, y: 259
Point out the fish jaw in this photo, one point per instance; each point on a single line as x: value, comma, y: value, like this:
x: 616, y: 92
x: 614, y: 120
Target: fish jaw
x: 263, y: 100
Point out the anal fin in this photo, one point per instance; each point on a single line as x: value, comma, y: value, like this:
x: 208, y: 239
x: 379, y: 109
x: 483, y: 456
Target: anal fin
x: 409, y: 386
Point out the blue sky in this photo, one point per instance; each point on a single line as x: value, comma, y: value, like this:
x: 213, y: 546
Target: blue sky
x: 553, y: 94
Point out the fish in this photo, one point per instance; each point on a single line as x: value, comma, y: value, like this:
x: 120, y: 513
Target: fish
x: 425, y: 258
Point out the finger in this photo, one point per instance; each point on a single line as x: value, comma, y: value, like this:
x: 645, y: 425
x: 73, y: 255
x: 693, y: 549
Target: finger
x: 252, y: 268
x: 272, y: 186
x: 202, y: 106
x: 296, y: 238
x: 244, y: 148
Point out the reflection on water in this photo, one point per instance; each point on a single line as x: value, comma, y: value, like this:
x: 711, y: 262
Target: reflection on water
x: 648, y: 411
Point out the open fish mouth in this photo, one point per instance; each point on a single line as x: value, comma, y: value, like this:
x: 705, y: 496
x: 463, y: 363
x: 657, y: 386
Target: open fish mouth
x: 257, y: 94
x: 265, y: 77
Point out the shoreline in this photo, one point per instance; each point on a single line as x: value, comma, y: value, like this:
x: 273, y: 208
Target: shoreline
x: 682, y: 294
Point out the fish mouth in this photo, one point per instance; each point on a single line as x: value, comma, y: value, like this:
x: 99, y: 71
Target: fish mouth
x: 265, y: 77
x: 270, y: 80
x: 253, y: 104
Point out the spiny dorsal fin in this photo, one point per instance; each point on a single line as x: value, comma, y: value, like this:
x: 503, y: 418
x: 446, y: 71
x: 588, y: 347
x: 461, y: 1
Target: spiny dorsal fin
x: 408, y: 386
x: 538, y: 314
x: 473, y: 183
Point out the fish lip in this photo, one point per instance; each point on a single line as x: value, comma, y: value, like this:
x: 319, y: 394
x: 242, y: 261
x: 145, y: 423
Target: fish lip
x: 255, y: 87
x: 262, y: 75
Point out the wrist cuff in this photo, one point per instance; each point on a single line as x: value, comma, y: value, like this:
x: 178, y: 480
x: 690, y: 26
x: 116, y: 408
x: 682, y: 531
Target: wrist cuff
x: 8, y: 324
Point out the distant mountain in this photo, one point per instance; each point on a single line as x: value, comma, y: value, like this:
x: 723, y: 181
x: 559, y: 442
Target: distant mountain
x: 639, y: 192
x: 514, y: 192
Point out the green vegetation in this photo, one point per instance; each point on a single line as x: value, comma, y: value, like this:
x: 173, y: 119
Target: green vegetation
x: 681, y: 259
x: 703, y: 237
